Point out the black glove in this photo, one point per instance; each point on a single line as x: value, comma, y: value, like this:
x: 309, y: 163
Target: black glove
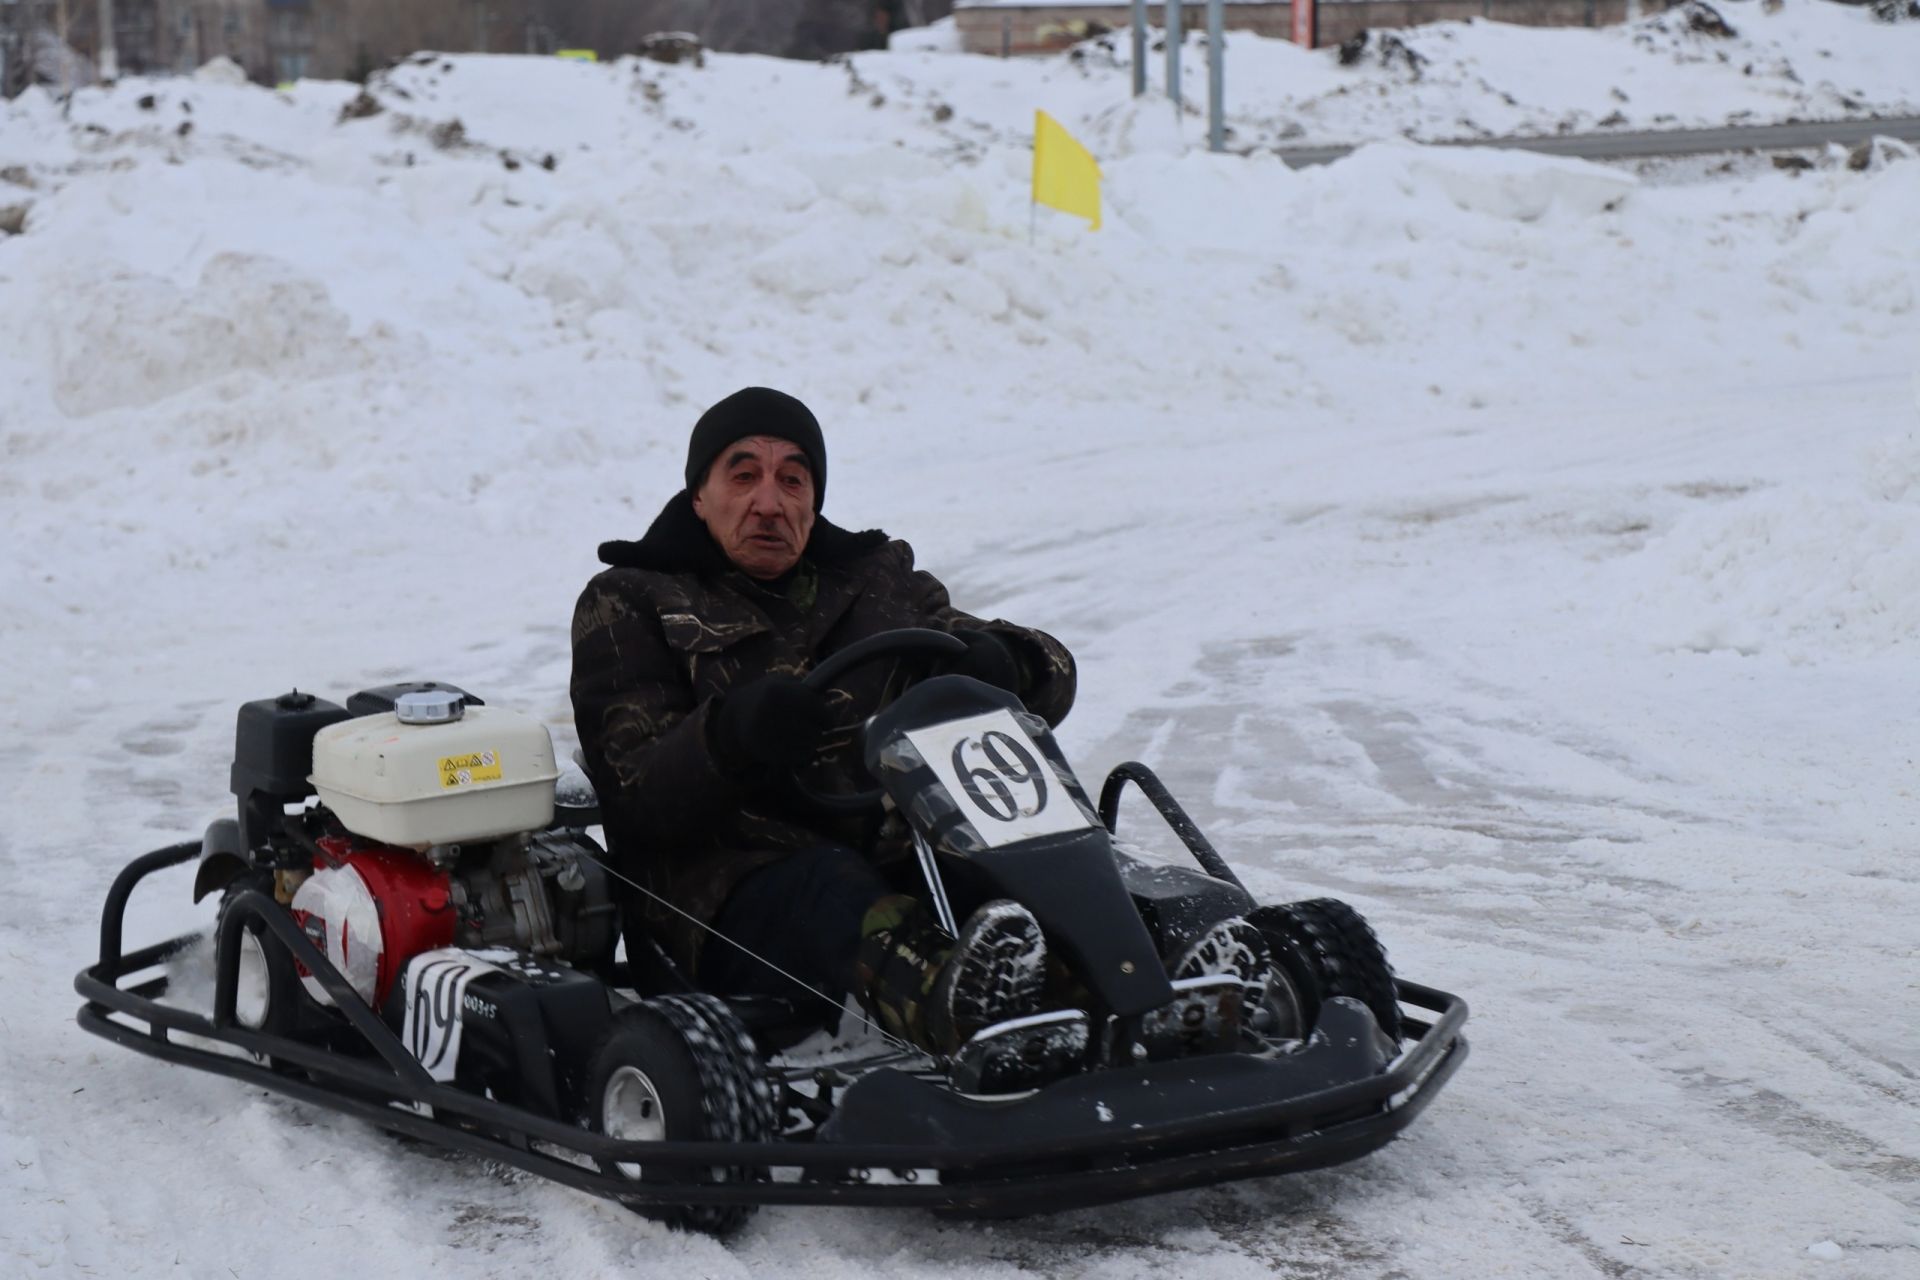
x: 773, y: 723
x: 988, y: 658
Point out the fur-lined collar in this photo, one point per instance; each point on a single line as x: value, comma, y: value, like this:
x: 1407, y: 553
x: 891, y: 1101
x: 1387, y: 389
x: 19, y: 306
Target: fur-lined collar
x: 678, y: 542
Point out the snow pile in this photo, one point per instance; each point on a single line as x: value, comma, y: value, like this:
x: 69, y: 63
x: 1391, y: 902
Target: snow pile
x: 1502, y: 184
x: 941, y: 35
x: 221, y: 70
x: 130, y: 340
x: 1740, y: 64
x: 1807, y: 575
x: 1815, y: 568
x: 505, y: 244
x: 1692, y: 67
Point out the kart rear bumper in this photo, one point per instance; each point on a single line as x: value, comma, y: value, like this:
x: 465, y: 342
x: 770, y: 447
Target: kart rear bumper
x: 1194, y: 1122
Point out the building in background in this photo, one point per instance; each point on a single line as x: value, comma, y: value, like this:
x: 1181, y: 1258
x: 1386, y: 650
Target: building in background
x: 33, y: 51
x: 1014, y: 27
x: 275, y: 41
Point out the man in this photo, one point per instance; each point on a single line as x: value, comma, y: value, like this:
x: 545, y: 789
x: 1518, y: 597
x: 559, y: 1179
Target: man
x: 687, y: 654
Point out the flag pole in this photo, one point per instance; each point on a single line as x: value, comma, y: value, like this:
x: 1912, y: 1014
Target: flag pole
x: 1216, y: 76
x: 1175, y: 37
x: 1140, y: 46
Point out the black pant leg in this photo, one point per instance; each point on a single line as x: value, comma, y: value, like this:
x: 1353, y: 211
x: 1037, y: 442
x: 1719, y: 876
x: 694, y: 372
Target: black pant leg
x: 802, y: 914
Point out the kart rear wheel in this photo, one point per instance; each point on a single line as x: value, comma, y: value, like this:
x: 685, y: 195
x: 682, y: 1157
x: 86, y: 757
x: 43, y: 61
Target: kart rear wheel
x: 1324, y: 948
x: 682, y: 1068
x: 269, y: 994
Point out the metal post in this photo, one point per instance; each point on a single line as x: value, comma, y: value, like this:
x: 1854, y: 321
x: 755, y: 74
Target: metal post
x: 1216, y: 76
x: 109, y: 56
x: 936, y: 887
x: 1139, y: 47
x: 60, y: 29
x: 1174, y: 37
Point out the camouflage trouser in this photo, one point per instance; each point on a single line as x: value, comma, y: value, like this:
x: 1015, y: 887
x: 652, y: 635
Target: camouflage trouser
x: 801, y: 918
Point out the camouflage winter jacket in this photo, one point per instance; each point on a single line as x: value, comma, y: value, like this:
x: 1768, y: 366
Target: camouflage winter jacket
x: 659, y: 639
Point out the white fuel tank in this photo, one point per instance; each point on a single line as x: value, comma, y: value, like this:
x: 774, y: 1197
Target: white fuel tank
x: 484, y: 773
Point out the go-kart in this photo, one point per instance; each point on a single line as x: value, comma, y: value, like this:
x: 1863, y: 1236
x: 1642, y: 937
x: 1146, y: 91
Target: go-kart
x: 413, y: 929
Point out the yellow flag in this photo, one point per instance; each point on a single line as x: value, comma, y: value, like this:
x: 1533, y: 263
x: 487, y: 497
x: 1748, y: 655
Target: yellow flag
x: 1065, y: 176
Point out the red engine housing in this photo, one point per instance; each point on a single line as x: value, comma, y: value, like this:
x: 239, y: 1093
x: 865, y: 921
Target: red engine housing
x: 371, y: 908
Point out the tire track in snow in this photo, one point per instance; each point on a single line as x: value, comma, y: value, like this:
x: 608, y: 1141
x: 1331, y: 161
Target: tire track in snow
x: 1787, y: 1120
x: 1480, y: 856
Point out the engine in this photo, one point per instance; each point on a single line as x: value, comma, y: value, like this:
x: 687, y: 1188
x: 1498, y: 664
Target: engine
x: 372, y: 907
x: 432, y: 831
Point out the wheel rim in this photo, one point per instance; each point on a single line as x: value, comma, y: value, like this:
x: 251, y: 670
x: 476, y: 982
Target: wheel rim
x: 631, y: 1111
x: 254, y: 995
x: 1279, y: 1014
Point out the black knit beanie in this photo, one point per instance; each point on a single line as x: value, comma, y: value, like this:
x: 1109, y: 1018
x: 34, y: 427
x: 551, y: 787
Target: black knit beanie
x: 756, y: 411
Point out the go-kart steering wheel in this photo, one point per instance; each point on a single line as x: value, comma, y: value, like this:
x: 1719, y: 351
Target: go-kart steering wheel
x: 906, y: 642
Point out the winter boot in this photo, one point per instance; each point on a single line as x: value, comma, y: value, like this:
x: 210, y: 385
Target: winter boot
x: 1233, y: 946
x: 929, y: 988
x: 996, y: 972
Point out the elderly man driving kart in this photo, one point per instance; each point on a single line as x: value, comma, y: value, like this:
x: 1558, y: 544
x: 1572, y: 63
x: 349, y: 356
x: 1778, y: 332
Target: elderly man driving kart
x: 693, y: 719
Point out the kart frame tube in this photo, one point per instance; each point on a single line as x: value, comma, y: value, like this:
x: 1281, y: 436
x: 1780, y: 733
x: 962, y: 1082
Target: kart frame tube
x: 1162, y: 799
x: 1285, y: 1136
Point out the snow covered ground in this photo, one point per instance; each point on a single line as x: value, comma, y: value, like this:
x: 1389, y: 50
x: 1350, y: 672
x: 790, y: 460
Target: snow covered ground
x: 1524, y: 550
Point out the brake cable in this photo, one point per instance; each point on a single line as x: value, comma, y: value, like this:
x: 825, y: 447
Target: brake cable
x: 839, y: 1005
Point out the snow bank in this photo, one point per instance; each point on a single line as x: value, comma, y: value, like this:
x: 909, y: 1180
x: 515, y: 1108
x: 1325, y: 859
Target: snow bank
x: 1499, y: 184
x: 1802, y: 59
x: 941, y: 35
x: 126, y: 339
x: 221, y: 70
x: 1807, y: 577
x: 1826, y: 565
x: 291, y: 275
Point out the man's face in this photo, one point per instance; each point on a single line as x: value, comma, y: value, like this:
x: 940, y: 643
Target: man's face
x: 757, y: 502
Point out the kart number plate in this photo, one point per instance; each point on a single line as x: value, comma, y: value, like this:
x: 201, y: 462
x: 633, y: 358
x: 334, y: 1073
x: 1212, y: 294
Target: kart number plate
x: 436, y: 990
x: 999, y: 777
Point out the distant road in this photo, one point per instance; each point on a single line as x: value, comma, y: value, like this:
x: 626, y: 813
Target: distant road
x: 1668, y: 142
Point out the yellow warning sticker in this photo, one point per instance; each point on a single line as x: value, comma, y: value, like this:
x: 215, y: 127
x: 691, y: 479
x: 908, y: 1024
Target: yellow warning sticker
x: 465, y: 770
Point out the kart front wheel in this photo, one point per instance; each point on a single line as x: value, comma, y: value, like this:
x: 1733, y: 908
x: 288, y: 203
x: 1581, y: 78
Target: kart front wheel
x: 681, y: 1068
x: 1324, y: 948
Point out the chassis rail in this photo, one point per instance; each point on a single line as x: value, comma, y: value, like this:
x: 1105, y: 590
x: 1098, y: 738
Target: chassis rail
x: 391, y: 1091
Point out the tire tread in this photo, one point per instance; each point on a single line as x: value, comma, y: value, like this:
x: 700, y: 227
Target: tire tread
x: 1341, y: 954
